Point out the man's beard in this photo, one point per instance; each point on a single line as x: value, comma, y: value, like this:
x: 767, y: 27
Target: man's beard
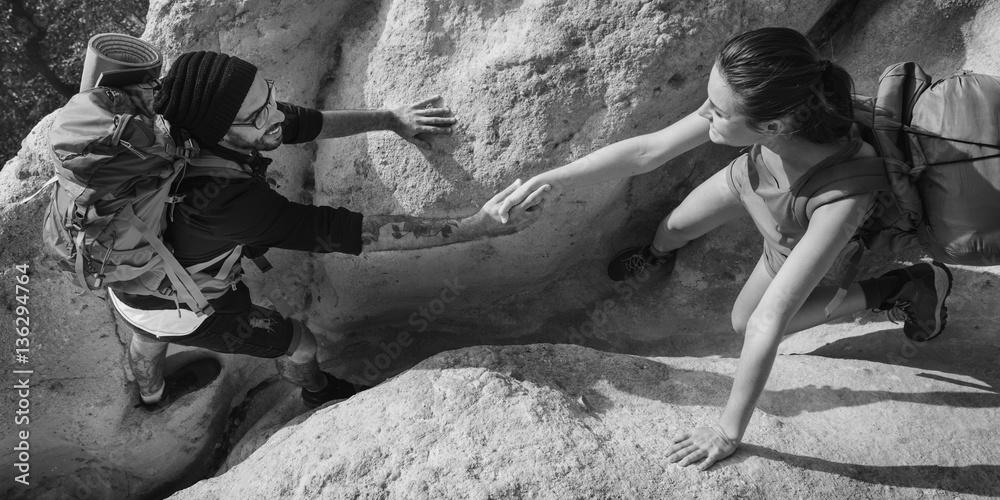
x: 262, y: 143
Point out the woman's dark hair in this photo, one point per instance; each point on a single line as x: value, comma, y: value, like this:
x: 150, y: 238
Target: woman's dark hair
x: 776, y: 73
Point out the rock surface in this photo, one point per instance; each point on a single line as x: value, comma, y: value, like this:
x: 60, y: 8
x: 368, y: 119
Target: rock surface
x: 544, y: 421
x: 534, y: 84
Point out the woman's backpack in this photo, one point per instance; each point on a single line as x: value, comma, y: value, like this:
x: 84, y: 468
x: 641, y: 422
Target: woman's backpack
x: 941, y: 143
x: 938, y: 171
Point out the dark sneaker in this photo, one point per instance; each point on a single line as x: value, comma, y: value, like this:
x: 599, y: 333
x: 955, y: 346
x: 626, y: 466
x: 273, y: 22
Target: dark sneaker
x: 335, y: 389
x: 631, y: 261
x: 920, y: 303
x: 187, y: 379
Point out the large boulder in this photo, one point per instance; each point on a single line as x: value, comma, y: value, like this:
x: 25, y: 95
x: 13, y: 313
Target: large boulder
x: 534, y: 84
x: 545, y: 421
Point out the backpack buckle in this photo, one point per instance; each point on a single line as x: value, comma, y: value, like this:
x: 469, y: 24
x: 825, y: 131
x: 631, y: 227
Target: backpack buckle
x: 188, y: 150
x: 76, y: 221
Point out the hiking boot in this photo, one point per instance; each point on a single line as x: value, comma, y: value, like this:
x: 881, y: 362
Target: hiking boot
x: 335, y: 389
x: 187, y: 379
x: 920, y: 303
x: 632, y: 261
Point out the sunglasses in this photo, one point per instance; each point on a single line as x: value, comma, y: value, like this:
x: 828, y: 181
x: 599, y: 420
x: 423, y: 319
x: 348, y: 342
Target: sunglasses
x: 259, y: 118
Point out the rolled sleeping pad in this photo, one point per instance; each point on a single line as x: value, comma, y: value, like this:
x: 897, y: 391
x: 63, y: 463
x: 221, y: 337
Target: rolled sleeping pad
x: 116, y: 60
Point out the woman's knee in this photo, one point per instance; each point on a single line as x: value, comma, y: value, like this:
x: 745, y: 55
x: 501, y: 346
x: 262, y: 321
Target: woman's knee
x: 672, y: 228
x: 740, y: 320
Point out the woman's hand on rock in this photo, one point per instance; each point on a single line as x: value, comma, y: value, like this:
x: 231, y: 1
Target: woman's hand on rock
x: 709, y: 444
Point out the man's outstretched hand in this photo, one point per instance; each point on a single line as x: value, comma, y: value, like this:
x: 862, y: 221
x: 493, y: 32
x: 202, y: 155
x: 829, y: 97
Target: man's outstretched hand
x: 416, y: 120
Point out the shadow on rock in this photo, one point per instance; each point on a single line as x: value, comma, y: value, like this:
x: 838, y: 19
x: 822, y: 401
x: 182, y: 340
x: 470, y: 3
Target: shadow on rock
x: 977, y: 479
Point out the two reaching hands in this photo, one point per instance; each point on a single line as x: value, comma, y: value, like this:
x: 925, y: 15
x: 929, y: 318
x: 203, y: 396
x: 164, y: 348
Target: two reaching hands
x: 416, y: 121
x: 517, y: 217
x: 702, y: 443
x: 516, y: 204
x: 523, y: 199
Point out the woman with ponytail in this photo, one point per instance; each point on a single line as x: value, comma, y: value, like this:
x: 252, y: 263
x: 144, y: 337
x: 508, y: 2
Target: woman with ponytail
x: 770, y: 93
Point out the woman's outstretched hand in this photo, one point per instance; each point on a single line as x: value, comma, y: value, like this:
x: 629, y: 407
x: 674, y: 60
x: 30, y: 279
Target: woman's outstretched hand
x: 530, y: 196
x: 708, y: 443
x: 518, y: 218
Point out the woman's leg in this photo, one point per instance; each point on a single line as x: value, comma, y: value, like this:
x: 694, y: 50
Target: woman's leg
x: 813, y: 311
x: 707, y: 207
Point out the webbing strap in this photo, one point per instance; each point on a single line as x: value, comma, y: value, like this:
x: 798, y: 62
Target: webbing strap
x: 178, y: 276
x: 853, y: 268
x: 262, y: 263
x: 36, y: 193
x: 179, y: 280
x: 914, y: 131
x: 227, y: 266
x: 214, y: 161
x: 213, y: 166
x: 79, y: 265
x: 231, y: 257
x: 963, y: 160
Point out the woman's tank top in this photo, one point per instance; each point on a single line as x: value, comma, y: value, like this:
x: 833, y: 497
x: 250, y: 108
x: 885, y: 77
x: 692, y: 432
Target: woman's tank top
x: 772, y: 207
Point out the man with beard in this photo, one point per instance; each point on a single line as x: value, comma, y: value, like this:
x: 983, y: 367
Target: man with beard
x: 229, y: 210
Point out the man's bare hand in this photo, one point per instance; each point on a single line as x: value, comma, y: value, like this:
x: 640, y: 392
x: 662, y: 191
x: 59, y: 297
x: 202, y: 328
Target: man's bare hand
x: 416, y: 122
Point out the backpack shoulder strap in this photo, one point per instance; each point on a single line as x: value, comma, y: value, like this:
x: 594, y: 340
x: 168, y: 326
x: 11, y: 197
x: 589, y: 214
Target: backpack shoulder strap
x: 214, y: 166
x: 835, y: 182
x: 838, y: 181
x: 178, y: 276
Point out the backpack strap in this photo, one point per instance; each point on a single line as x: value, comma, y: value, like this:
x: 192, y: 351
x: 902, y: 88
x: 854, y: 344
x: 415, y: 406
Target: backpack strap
x: 836, y: 182
x: 39, y: 191
x: 178, y: 276
x: 851, y: 269
x: 213, y: 166
x: 78, y: 265
x: 231, y: 257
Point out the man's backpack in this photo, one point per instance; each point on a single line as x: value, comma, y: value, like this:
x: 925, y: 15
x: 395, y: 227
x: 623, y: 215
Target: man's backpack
x: 117, y: 164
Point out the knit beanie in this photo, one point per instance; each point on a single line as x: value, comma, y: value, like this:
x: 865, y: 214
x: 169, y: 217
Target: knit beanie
x: 203, y: 92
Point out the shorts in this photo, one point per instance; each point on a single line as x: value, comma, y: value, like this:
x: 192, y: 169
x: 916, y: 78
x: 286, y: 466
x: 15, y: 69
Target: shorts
x: 245, y: 329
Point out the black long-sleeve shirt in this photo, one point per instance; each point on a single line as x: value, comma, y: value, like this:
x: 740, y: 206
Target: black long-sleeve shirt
x: 217, y: 215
